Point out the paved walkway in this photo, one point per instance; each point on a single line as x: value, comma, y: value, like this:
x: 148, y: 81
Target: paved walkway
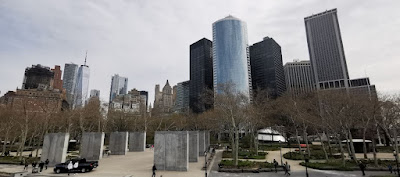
x: 296, y: 169
x: 134, y: 164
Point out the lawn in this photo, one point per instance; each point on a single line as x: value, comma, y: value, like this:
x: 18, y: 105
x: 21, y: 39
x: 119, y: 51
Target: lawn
x: 350, y: 165
x: 246, y: 164
x: 245, y: 155
x: 315, y: 155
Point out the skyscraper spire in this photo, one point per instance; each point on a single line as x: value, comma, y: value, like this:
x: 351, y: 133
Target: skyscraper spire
x: 85, y: 58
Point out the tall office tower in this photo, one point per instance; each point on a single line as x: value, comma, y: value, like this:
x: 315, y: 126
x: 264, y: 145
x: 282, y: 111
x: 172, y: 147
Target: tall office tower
x: 201, y: 74
x: 145, y: 94
x: 182, y: 97
x: 299, y: 77
x: 266, y: 67
x: 326, y: 50
x: 69, y: 81
x: 82, y: 86
x: 163, y: 101
x: 94, y: 93
x: 58, y: 83
x: 38, y: 76
x: 119, y: 86
x: 231, y: 60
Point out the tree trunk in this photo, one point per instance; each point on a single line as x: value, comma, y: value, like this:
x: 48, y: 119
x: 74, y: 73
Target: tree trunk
x: 256, y: 142
x: 323, y: 146
x: 306, y: 139
x: 378, y: 134
x: 374, y: 152
x: 396, y: 149
x: 5, y: 142
x: 232, y: 137
x: 298, y: 139
x: 236, y: 146
x: 364, y: 144
x: 329, y: 144
x: 341, y: 151
x: 352, y: 147
x: 22, y: 145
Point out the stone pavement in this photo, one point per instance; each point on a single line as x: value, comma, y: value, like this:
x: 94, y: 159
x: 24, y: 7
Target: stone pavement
x: 134, y: 164
x: 138, y: 164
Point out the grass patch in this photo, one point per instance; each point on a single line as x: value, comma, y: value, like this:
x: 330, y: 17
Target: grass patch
x: 350, y: 164
x: 245, y: 155
x: 245, y: 164
x: 315, y: 155
x: 384, y: 149
x: 269, y: 147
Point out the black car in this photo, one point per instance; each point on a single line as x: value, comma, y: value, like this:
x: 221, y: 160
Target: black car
x: 83, y: 166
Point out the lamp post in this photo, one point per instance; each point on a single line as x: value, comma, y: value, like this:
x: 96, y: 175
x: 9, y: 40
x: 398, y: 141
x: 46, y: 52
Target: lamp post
x: 205, y: 161
x: 397, y: 162
x: 306, y: 160
x: 280, y: 149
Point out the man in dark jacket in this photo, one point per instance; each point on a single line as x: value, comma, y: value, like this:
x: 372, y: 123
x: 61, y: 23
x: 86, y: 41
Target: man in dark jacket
x: 275, y: 165
x: 362, y: 167
x: 41, y: 165
x: 154, y: 171
x: 46, y: 163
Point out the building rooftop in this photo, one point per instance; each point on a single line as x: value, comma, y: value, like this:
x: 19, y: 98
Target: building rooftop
x: 321, y: 14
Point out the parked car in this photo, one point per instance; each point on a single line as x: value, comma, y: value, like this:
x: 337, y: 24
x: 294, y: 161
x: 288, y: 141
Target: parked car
x: 83, y: 166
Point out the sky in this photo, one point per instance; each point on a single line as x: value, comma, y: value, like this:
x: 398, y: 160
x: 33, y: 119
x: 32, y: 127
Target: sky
x: 148, y: 41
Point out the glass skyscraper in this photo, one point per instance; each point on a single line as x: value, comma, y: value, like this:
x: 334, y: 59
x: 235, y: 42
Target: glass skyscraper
x: 201, y: 74
x: 231, y: 61
x: 266, y: 67
x: 69, y: 81
x: 119, y: 86
x: 82, y: 86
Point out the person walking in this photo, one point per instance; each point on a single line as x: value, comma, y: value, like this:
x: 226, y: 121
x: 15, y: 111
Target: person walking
x: 286, y: 169
x: 34, y: 169
x: 390, y: 168
x: 26, y: 165
x: 275, y: 165
x: 41, y: 165
x: 70, y: 167
x: 154, y: 171
x: 46, y: 163
x: 362, y: 167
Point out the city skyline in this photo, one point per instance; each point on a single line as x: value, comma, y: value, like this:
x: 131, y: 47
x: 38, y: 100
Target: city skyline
x: 367, y: 53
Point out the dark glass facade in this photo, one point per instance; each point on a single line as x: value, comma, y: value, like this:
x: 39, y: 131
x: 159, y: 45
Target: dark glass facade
x: 201, y: 74
x: 230, y: 55
x: 266, y: 67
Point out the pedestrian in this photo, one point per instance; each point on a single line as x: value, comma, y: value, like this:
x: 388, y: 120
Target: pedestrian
x: 286, y: 169
x: 362, y: 167
x: 390, y: 168
x: 70, y: 167
x: 26, y: 165
x: 34, y: 169
x: 41, y: 165
x: 47, y: 163
x: 154, y: 171
x: 275, y: 165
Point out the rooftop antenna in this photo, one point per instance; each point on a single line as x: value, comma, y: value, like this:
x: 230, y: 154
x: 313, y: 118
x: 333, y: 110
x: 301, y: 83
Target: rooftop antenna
x: 85, y: 58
